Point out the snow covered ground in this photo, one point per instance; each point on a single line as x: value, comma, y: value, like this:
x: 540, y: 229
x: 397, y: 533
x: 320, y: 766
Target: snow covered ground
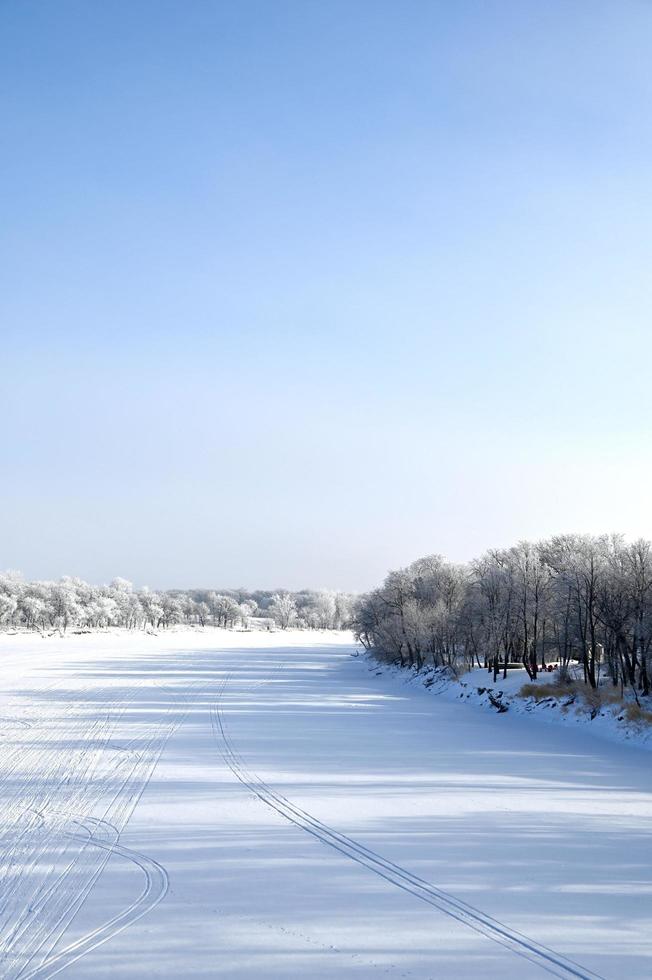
x: 216, y: 804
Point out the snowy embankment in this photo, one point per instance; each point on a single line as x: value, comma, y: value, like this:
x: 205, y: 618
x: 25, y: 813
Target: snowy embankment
x: 604, y: 714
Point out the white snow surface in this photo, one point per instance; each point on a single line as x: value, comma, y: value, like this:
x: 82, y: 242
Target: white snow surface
x: 607, y: 720
x: 224, y: 804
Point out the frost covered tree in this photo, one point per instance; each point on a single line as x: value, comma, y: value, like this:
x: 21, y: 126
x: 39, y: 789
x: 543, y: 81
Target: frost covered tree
x: 283, y: 609
x: 570, y: 599
x: 71, y: 602
x: 248, y: 610
x: 8, y: 607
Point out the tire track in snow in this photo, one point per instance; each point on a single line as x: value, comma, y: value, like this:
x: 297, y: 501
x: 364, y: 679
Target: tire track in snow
x: 36, y: 923
x: 25, y: 898
x: 537, y: 954
x: 155, y: 890
x: 63, y: 905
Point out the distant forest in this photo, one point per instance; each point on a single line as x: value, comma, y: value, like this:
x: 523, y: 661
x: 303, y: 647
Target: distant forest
x: 572, y: 600
x: 72, y: 603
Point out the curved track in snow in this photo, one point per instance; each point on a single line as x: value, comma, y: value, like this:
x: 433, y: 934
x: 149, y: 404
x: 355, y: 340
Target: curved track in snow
x: 155, y: 890
x: 52, y: 849
x: 547, y: 959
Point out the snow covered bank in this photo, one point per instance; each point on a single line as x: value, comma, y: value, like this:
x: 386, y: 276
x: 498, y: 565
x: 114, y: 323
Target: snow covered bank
x: 604, y: 714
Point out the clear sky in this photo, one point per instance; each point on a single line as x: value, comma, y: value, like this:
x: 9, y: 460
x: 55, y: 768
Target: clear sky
x: 295, y: 292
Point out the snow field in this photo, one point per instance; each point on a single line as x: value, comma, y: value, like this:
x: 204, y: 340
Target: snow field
x: 276, y: 808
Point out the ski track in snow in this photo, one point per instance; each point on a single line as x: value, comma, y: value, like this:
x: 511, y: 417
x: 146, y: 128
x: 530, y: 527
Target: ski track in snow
x: 156, y: 887
x: 76, y: 785
x: 541, y: 956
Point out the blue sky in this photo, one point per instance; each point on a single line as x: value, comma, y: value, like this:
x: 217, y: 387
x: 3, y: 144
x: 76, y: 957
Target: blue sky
x: 296, y: 292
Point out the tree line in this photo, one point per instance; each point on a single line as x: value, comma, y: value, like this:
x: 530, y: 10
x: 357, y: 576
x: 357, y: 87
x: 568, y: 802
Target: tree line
x: 570, y: 600
x: 72, y: 603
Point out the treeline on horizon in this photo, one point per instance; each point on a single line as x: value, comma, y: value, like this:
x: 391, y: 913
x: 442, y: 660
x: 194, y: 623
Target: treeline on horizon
x: 571, y: 599
x: 72, y: 603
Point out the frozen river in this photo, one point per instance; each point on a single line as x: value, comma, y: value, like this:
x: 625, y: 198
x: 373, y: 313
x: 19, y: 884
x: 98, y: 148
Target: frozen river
x: 222, y: 804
